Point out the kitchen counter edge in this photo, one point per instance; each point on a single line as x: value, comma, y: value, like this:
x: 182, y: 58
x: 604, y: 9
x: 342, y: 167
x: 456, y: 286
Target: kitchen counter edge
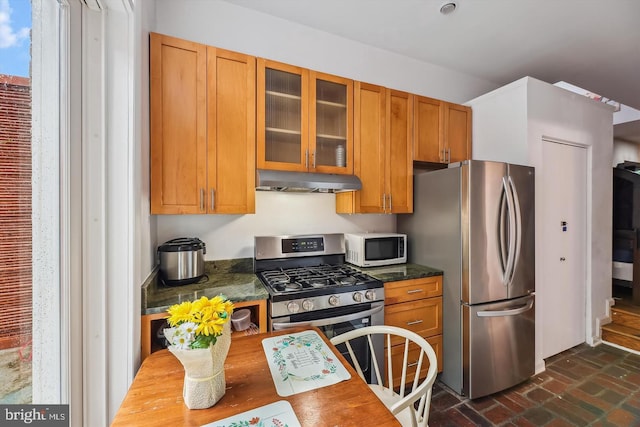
x: 398, y: 272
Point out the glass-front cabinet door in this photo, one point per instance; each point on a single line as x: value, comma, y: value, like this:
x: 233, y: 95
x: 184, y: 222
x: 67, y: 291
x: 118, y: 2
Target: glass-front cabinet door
x: 282, y: 116
x: 331, y: 123
x: 305, y: 120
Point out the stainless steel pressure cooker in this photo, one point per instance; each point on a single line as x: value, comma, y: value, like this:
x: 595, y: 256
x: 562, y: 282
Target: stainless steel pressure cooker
x: 182, y: 261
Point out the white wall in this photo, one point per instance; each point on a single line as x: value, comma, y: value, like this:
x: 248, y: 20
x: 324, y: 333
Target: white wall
x: 625, y: 150
x: 566, y: 116
x: 222, y: 24
x: 232, y: 27
x: 231, y: 236
x: 544, y: 110
x: 501, y: 125
x: 145, y: 223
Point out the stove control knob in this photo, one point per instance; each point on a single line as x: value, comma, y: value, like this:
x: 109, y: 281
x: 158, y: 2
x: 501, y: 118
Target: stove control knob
x: 357, y: 297
x: 334, y: 300
x: 293, y: 307
x: 307, y: 305
x: 370, y: 295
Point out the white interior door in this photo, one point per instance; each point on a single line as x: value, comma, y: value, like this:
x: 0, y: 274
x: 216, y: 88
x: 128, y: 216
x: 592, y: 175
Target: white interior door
x: 562, y: 294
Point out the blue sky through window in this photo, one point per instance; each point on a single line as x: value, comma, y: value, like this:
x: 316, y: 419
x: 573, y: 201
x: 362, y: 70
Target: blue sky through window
x: 15, y: 37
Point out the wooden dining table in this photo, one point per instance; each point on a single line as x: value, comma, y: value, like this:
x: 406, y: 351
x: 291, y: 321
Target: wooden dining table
x: 155, y: 396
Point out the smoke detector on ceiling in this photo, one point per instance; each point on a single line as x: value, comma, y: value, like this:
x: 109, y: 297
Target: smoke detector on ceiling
x: 448, y: 7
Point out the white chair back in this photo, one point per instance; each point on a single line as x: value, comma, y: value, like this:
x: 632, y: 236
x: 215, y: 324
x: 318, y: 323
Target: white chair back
x: 409, y: 399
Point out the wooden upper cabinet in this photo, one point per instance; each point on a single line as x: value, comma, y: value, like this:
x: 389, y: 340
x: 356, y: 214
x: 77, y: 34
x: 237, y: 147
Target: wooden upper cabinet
x: 399, y: 169
x: 457, y: 127
x: 305, y: 120
x: 370, y: 148
x: 428, y: 144
x: 282, y: 125
x: 231, y: 132
x: 442, y: 131
x: 178, y: 110
x: 330, y: 123
x: 382, y: 151
x: 202, y: 128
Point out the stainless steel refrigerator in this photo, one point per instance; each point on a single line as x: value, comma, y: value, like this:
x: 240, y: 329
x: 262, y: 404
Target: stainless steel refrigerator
x: 475, y: 221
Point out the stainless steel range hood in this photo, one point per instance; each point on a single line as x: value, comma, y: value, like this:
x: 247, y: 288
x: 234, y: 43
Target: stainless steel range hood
x: 268, y: 180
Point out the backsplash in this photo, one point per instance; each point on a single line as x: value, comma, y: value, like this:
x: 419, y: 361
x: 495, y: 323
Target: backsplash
x: 231, y: 236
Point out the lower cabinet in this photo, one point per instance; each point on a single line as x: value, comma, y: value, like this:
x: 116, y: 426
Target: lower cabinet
x: 415, y: 305
x: 151, y: 323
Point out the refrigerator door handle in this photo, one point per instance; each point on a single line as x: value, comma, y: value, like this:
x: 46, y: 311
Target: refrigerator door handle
x: 512, y: 233
x: 509, y: 312
x: 518, y: 228
x: 503, y: 245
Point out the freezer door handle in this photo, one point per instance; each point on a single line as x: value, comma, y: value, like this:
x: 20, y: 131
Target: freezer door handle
x: 509, y: 312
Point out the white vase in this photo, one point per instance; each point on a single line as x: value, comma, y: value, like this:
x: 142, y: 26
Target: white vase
x: 204, y: 382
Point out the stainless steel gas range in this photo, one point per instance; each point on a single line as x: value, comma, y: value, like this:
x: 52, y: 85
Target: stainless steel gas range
x: 310, y: 284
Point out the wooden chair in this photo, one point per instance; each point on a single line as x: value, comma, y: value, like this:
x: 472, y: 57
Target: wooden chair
x: 410, y: 399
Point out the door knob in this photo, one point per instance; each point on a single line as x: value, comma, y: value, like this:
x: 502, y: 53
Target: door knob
x: 563, y: 259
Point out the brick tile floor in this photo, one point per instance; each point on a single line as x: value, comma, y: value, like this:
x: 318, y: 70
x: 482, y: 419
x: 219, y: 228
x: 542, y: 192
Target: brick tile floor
x: 583, y: 386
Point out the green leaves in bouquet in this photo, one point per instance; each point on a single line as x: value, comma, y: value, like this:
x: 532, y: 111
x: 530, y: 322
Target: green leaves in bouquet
x: 203, y: 341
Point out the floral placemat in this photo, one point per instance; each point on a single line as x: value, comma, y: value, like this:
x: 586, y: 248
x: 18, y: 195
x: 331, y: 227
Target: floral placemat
x: 302, y: 362
x: 277, y: 414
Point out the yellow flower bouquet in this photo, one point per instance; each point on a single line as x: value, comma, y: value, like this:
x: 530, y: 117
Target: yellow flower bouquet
x: 200, y: 337
x: 197, y: 324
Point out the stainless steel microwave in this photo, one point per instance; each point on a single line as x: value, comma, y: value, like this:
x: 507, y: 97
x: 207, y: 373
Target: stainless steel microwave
x: 375, y: 249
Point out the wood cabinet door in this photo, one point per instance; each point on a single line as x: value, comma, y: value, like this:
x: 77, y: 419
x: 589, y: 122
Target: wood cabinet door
x: 330, y: 124
x: 399, y: 158
x: 231, y: 132
x: 397, y: 355
x: 282, y: 116
x: 370, y: 146
x: 436, y: 344
x: 428, y: 144
x: 413, y: 289
x: 424, y: 317
x: 457, y: 123
x: 178, y: 117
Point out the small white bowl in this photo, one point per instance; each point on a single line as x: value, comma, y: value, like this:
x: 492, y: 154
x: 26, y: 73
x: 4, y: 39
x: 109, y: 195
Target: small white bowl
x: 241, y: 319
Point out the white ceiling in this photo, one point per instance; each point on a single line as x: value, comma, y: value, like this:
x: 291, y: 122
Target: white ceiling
x: 593, y: 44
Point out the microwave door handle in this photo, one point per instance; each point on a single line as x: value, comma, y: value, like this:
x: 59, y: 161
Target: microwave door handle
x: 328, y: 321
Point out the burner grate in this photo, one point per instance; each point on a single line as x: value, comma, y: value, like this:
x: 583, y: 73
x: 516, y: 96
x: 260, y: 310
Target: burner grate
x: 285, y: 280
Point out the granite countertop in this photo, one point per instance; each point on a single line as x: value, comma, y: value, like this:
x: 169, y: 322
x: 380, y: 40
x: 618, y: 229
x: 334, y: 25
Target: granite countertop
x: 394, y: 273
x: 234, y: 279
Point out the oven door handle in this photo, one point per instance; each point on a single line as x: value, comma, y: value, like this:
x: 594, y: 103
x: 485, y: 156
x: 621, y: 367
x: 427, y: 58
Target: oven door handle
x: 330, y: 320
